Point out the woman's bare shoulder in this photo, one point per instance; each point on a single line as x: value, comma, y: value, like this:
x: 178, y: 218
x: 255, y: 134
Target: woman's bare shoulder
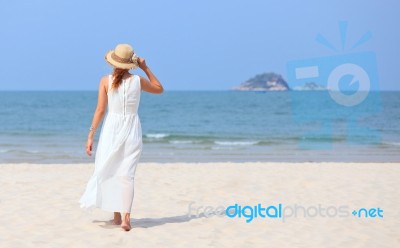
x: 104, y: 81
x: 104, y: 78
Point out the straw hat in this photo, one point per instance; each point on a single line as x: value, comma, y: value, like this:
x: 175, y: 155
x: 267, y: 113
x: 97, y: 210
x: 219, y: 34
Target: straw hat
x: 122, y: 57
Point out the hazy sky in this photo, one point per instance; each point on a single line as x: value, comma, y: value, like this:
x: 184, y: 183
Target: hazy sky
x: 189, y: 45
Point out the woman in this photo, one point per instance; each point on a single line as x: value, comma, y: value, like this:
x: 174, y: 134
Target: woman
x: 120, y: 143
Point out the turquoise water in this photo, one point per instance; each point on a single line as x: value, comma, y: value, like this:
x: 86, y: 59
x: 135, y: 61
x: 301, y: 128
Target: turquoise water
x: 201, y: 126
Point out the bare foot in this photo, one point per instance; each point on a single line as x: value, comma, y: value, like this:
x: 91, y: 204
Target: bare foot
x: 126, y: 222
x: 117, y: 218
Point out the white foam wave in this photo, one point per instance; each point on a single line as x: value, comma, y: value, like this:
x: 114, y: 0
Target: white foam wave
x: 236, y: 143
x: 224, y: 148
x: 156, y: 135
x: 181, y: 142
x: 18, y: 150
x: 392, y: 143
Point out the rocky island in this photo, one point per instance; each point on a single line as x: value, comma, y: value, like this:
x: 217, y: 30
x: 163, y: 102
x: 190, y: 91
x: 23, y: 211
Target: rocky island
x: 264, y: 82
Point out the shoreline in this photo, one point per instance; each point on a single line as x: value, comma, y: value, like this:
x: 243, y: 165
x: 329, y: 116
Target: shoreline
x: 209, y: 162
x: 238, y: 154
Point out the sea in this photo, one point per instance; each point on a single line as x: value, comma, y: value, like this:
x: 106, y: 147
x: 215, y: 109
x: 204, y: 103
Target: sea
x: 208, y: 126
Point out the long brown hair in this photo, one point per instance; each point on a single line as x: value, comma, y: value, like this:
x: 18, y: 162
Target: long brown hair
x: 118, y: 73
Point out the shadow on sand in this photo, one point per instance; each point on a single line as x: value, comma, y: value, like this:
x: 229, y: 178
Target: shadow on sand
x: 151, y: 222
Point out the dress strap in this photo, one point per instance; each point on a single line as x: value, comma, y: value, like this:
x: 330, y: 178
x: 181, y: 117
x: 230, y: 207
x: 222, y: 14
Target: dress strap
x: 138, y: 82
x: 109, y: 83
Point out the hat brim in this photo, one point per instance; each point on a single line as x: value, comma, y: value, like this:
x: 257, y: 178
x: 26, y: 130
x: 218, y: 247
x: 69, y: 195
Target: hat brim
x: 117, y: 64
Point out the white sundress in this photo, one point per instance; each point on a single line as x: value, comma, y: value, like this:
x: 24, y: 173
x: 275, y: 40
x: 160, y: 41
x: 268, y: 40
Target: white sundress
x: 111, y: 187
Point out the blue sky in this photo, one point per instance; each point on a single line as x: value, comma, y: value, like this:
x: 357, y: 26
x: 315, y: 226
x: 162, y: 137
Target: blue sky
x: 189, y: 45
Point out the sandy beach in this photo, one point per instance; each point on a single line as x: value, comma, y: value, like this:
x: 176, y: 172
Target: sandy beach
x: 175, y: 205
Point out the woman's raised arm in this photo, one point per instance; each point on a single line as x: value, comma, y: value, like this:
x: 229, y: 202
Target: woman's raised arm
x: 153, y: 86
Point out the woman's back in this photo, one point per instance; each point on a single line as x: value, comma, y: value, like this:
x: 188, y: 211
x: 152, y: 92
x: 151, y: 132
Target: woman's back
x: 126, y: 98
